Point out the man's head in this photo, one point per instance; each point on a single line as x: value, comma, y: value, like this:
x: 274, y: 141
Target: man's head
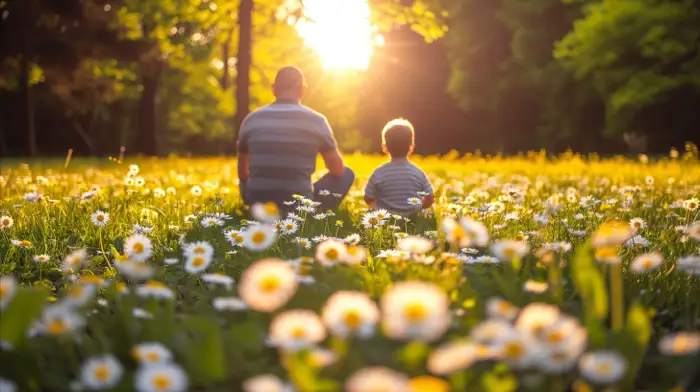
x: 398, y: 138
x: 289, y: 84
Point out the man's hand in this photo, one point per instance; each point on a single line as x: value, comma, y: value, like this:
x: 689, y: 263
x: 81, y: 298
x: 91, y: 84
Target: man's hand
x: 334, y: 162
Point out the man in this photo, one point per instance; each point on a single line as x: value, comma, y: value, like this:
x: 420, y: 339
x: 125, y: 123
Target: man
x: 277, y: 147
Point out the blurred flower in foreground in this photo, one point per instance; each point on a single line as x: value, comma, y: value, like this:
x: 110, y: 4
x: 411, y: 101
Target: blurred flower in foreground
x: 161, y: 377
x: 267, y: 284
x: 8, y: 288
x: 465, y: 233
x: 138, y: 247
x: 428, y: 383
x: 265, y: 212
x: 451, y: 357
x: 647, y: 262
x: 155, y: 289
x: 330, y: 252
x: 509, y: 249
x: 602, y: 367
x: 350, y: 313
x: 258, y: 237
x: 296, y: 329
x: 101, y: 372
x: 266, y: 383
x: 610, y: 233
x: 151, y: 353
x: 376, y: 379
x: 415, y: 310
x: 58, y: 319
x: 414, y: 244
x: 680, y: 343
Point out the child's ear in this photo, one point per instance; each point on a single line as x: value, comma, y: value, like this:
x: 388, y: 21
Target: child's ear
x: 384, y: 148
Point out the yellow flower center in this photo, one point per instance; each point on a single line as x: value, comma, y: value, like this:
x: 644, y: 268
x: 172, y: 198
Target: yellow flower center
x: 101, y: 372
x: 238, y: 238
x: 198, y: 249
x: 603, y: 368
x: 304, y: 269
x: 513, y: 350
x: 646, y: 263
x: 269, y: 283
x: 75, y: 291
x: 504, y: 307
x: 56, y: 326
x: 25, y: 243
x: 160, y: 381
x: 297, y: 332
x: 152, y: 356
x: 138, y: 247
x: 680, y: 344
x: 428, y: 383
x: 270, y: 208
x: 509, y: 252
x: 3, y: 290
x: 373, y: 220
x: 289, y: 226
x: 352, y: 318
x: 5, y: 222
x: 331, y: 253
x: 257, y: 237
x: 415, y: 311
x: 100, y: 218
x: 154, y: 284
x: 120, y: 286
x: 555, y: 336
x: 198, y: 261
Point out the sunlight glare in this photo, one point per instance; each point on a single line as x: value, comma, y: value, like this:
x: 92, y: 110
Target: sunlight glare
x: 340, y: 32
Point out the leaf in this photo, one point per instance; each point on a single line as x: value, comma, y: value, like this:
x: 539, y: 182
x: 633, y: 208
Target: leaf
x: 589, y: 283
x: 413, y: 354
x: 494, y: 383
x: 632, y: 342
x: 205, y: 352
x: 20, y: 312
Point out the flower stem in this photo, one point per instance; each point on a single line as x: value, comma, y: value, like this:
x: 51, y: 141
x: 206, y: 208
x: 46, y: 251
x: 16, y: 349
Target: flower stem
x: 616, y: 296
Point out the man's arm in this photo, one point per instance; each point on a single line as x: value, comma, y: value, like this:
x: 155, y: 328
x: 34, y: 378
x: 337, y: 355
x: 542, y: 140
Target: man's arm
x: 243, y: 163
x: 329, y: 149
x: 428, y: 200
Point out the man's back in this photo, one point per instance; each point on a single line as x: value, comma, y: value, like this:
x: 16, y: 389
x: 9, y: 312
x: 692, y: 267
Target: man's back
x: 282, y: 140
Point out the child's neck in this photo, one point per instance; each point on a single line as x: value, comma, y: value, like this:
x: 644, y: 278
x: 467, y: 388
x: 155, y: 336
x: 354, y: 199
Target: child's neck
x: 398, y: 159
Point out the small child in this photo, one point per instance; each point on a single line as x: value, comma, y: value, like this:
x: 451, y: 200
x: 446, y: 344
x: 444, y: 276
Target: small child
x: 399, y: 186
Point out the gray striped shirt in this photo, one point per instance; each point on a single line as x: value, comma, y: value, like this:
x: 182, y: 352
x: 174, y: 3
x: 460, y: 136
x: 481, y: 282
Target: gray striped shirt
x: 282, y: 140
x: 394, y: 182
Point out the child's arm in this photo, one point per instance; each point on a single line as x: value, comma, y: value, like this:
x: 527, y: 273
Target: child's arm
x: 428, y: 197
x: 371, y: 192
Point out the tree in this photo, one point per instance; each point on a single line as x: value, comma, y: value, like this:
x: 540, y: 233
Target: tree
x: 644, y: 59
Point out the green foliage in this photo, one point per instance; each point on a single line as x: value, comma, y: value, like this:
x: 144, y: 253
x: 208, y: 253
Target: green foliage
x: 20, y: 313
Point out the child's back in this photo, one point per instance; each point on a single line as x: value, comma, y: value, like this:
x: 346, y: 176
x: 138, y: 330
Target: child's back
x: 392, y: 184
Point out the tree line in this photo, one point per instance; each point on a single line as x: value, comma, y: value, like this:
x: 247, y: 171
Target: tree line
x: 163, y: 76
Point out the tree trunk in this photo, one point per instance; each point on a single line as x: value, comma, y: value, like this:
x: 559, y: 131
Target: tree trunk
x: 27, y: 103
x: 147, y: 136
x: 243, y: 62
x: 225, y: 76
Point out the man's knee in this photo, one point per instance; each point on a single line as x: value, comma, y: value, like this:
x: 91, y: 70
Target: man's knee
x: 348, y: 174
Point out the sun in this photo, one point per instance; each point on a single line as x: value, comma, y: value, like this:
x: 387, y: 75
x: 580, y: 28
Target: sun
x: 340, y: 32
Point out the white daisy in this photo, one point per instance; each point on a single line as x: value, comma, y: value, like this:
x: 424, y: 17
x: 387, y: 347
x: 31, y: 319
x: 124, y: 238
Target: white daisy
x: 101, y: 372
x: 161, y: 377
x: 138, y: 247
x: 99, y: 218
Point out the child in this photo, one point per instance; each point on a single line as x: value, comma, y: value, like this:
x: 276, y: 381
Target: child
x: 398, y: 186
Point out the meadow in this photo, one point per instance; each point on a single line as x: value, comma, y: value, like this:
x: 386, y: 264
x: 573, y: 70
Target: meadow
x: 530, y: 273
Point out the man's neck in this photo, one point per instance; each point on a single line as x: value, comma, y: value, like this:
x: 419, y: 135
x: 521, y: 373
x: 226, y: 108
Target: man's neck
x: 287, y: 101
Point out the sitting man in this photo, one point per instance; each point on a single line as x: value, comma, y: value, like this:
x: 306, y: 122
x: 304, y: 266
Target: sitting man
x: 277, y: 147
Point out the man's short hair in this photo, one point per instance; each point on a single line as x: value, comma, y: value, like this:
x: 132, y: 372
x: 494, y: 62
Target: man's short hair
x: 398, y: 137
x: 289, y: 78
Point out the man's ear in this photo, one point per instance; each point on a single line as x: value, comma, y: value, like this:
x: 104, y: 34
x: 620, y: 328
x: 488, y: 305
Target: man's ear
x: 410, y: 149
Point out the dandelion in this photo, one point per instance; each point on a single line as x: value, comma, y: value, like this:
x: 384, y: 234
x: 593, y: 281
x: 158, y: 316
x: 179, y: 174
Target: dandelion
x: 232, y: 304
x: 647, y: 262
x: 138, y: 247
x: 509, y: 249
x: 296, y: 329
x: 350, y: 313
x: 101, y: 372
x: 267, y: 284
x: 150, y: 353
x: 259, y: 237
x: 330, y: 252
x: 415, y: 244
x: 451, y: 357
x: 266, y: 383
x: 377, y: 379
x: 43, y: 258
x: 99, y: 218
x: 8, y: 288
x: 602, y: 367
x: 501, y: 309
x: 161, y: 377
x: 6, y: 222
x: 680, y: 343
x: 196, y: 190
x: 154, y: 289
x: 415, y: 310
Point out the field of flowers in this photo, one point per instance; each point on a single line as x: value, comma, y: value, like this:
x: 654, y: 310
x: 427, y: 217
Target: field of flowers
x: 530, y: 273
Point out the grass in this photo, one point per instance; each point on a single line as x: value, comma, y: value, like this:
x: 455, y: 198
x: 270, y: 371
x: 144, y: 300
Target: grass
x: 558, y: 311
